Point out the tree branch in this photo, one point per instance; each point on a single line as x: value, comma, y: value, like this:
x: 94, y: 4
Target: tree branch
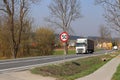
x: 3, y: 10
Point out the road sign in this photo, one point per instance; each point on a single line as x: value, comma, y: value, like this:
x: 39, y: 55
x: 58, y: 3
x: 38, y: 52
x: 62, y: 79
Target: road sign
x: 64, y: 36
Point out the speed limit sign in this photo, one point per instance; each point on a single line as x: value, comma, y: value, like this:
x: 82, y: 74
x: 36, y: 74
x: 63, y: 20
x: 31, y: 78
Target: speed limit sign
x: 64, y: 36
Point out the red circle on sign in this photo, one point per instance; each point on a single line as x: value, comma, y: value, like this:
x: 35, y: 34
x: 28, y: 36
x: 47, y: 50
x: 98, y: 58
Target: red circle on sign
x: 64, y: 36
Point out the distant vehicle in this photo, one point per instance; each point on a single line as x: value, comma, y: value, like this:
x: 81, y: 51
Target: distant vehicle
x: 84, y: 45
x: 115, y: 48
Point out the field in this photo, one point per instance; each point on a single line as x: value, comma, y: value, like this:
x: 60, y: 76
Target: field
x: 61, y: 51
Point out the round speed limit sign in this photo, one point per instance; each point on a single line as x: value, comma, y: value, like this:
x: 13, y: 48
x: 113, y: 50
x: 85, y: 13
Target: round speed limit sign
x: 64, y: 36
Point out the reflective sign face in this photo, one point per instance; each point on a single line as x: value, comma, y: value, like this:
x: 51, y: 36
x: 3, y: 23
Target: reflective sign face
x: 64, y: 36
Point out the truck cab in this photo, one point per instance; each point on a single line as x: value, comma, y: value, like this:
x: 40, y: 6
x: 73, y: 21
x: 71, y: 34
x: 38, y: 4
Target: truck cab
x: 84, y: 45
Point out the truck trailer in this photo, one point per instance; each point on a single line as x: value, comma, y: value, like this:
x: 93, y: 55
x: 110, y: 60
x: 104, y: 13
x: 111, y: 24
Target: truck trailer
x: 84, y: 45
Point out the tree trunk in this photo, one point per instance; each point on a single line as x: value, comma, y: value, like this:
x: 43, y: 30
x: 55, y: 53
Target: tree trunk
x: 28, y: 50
x: 65, y: 48
x: 15, y: 51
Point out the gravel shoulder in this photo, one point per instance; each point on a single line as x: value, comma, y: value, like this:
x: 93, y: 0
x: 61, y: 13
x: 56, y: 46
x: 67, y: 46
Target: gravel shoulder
x: 23, y: 75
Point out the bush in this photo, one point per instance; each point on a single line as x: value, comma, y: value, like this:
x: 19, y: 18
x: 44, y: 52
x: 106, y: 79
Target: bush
x: 45, y: 39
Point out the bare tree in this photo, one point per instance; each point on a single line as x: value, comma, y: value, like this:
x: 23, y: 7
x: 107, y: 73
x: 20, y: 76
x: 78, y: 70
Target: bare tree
x: 63, y: 13
x: 112, y: 12
x: 25, y: 38
x: 15, y: 10
x: 105, y: 33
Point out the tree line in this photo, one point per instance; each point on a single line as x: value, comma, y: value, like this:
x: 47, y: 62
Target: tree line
x: 16, y: 29
x: 16, y: 25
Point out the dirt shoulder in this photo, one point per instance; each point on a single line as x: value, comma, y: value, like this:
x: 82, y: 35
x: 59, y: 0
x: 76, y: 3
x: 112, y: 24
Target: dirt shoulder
x: 23, y: 75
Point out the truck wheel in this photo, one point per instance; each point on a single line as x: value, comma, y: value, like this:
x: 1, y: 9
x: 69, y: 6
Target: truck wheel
x: 87, y: 52
x: 92, y: 52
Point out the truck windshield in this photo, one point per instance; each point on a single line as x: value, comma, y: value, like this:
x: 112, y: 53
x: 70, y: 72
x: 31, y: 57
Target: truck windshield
x: 80, y: 44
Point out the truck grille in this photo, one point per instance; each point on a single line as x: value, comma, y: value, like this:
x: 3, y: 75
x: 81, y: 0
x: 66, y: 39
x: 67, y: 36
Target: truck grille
x: 80, y: 50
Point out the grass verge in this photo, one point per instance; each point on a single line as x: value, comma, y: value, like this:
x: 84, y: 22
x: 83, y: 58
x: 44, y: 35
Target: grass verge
x: 70, y: 51
x: 61, y: 51
x: 116, y: 76
x: 74, y: 69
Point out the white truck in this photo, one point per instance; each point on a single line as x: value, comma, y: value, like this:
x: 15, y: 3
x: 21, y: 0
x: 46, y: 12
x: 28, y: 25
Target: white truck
x: 84, y: 45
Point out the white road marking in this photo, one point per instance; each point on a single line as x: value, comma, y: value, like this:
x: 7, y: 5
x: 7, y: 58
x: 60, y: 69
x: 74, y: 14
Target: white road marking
x: 24, y: 61
x: 35, y: 65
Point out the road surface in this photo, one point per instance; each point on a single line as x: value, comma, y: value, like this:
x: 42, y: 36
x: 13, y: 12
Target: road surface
x: 26, y: 63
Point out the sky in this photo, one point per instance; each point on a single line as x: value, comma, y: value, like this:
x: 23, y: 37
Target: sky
x: 88, y: 25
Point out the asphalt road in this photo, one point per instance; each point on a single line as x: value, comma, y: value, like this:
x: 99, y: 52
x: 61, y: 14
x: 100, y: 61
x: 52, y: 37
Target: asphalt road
x: 26, y: 63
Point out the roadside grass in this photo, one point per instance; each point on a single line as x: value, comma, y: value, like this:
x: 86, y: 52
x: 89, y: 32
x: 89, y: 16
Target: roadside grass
x: 70, y: 51
x: 116, y: 76
x: 74, y: 69
x: 97, y: 49
x: 4, y: 58
x: 61, y: 51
